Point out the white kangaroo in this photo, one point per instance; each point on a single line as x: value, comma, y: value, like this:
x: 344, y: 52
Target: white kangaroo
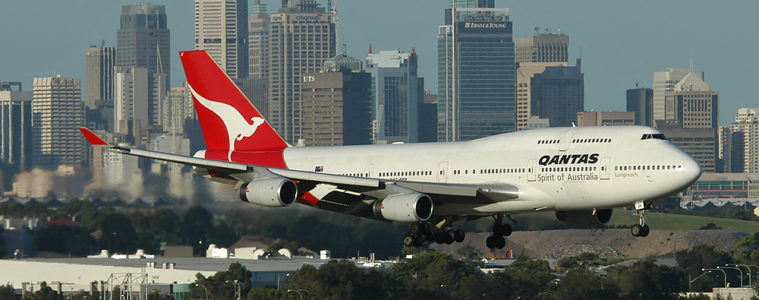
x: 237, y: 127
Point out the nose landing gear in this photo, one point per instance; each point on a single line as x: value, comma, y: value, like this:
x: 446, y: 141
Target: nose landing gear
x: 641, y: 229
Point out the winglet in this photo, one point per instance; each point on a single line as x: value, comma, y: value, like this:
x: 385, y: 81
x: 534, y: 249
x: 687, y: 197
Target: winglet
x: 92, y: 138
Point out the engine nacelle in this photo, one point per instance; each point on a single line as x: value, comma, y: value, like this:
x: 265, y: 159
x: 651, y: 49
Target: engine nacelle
x: 589, y: 218
x: 411, y: 207
x: 272, y: 192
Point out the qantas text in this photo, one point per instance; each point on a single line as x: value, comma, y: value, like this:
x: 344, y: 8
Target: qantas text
x: 565, y: 159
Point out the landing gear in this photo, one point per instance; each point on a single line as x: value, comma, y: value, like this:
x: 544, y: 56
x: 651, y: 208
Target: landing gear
x: 641, y: 229
x: 424, y: 231
x: 497, y: 240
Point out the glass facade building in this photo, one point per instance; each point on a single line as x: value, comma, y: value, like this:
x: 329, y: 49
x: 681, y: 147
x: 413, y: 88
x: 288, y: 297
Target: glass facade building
x: 476, y: 75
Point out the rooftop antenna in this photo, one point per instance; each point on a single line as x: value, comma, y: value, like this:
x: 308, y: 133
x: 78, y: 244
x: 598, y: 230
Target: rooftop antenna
x: 691, y: 59
x: 636, y: 84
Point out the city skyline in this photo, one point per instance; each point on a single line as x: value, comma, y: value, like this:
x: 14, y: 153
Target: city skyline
x: 618, y: 47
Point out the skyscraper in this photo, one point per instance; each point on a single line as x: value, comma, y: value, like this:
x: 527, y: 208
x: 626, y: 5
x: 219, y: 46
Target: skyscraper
x: 558, y: 94
x: 337, y: 104
x: 221, y: 28
x: 131, y: 112
x: 15, y: 127
x: 641, y: 102
x: 745, y: 130
x: 302, y: 37
x: 665, y: 82
x: 606, y: 118
x: 544, y: 47
x: 525, y: 72
x: 395, y: 95
x: 143, y: 42
x: 100, y: 64
x: 57, y: 113
x: 258, y: 41
x: 476, y: 74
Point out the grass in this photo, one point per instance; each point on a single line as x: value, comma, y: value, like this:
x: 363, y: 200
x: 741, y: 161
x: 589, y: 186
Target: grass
x: 676, y: 221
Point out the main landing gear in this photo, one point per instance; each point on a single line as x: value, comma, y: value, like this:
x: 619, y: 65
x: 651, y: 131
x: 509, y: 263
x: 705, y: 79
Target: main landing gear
x: 497, y: 240
x: 424, y: 231
x: 641, y: 229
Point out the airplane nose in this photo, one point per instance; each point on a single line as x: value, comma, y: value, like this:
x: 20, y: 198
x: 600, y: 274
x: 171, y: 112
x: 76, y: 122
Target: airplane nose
x: 691, y: 170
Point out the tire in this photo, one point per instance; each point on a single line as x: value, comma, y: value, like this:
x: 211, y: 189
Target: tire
x: 490, y: 242
x: 500, y: 242
x: 644, y: 231
x: 505, y: 230
x: 459, y: 236
x: 636, y: 230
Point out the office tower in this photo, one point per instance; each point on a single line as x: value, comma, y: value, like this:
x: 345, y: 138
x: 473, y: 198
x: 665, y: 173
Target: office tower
x: 725, y: 149
x: 427, y: 117
x: 692, y: 103
x: 258, y: 41
x: 143, y: 42
x: 558, y: 94
x: 337, y: 104
x: 544, y: 47
x: 525, y: 72
x: 302, y: 37
x: 179, y: 106
x: 15, y: 127
x: 745, y: 136
x: 476, y: 74
x: 641, y: 102
x: 665, y: 82
x: 130, y: 102
x: 395, y: 95
x: 221, y: 28
x: 100, y: 64
x: 606, y: 118
x: 57, y: 114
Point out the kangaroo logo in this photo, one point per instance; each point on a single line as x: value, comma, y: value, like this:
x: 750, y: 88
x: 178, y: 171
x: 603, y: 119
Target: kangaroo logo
x: 237, y: 127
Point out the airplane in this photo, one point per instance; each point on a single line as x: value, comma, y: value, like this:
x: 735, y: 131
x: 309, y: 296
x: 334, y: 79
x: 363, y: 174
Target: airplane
x: 579, y: 173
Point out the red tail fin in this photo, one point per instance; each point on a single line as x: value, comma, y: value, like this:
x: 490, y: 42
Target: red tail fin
x: 229, y: 121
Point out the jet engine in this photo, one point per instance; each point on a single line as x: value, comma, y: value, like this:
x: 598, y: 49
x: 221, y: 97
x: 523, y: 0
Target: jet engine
x: 412, y: 207
x: 589, y: 218
x: 272, y: 192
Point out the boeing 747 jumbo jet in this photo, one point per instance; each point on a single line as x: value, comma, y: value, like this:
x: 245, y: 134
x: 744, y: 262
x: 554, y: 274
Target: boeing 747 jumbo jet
x: 579, y: 173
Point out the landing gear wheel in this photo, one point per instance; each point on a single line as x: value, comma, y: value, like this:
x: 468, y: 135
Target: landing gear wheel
x: 644, y: 231
x: 495, y: 241
x: 490, y: 242
x: 458, y: 235
x: 636, y: 230
x: 503, y: 230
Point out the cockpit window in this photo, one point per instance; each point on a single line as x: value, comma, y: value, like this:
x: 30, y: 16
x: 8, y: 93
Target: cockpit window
x: 656, y: 136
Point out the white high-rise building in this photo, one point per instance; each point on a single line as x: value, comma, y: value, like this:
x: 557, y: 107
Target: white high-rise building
x: 747, y: 123
x: 221, y: 28
x: 57, y: 112
x: 665, y: 82
x: 130, y: 107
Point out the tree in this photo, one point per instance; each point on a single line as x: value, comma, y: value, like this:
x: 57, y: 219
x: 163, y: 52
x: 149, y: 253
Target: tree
x: 45, y: 293
x: 433, y: 274
x: 70, y: 240
x: 581, y: 283
x: 343, y: 280
x: 196, y: 227
x: 155, y: 227
x: 7, y: 292
x: 699, y: 257
x: 646, y: 280
x: 529, y: 277
x: 222, y: 284
x: 119, y: 235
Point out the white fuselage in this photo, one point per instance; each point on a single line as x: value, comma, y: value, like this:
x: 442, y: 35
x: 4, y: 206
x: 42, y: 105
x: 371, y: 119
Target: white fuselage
x: 554, y: 169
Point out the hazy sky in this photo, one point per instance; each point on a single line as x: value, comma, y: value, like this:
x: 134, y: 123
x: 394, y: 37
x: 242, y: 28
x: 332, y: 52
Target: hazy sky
x: 621, y: 42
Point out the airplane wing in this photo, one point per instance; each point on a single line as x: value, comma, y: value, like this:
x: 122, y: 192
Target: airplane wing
x: 350, y: 188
